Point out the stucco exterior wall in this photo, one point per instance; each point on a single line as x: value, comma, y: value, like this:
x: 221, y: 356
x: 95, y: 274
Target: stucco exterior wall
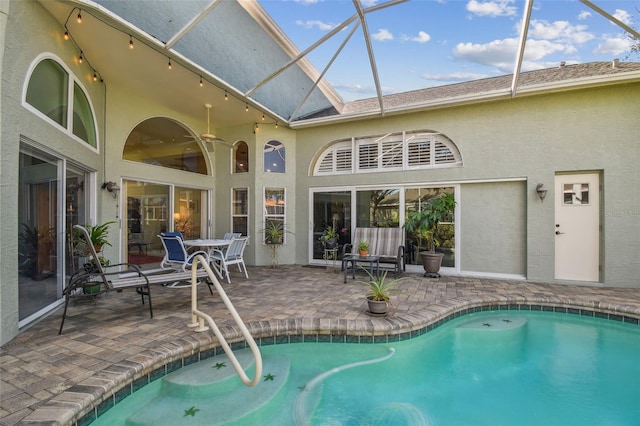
x: 17, y: 122
x: 493, y: 228
x: 529, y: 139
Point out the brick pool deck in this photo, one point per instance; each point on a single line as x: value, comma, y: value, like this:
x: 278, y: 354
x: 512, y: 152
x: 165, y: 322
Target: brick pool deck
x: 111, y: 348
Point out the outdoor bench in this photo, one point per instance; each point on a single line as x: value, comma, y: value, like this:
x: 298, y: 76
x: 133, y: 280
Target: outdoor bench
x: 386, y: 243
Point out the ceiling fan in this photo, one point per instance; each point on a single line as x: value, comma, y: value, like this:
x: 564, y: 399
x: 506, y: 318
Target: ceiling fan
x: 208, y: 139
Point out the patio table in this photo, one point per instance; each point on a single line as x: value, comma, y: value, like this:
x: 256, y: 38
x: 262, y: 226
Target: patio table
x: 355, y: 259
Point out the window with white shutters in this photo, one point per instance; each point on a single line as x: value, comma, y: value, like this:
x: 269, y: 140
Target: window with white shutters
x: 393, y: 151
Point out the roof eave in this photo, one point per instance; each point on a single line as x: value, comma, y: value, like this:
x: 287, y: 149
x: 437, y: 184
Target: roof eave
x: 502, y: 94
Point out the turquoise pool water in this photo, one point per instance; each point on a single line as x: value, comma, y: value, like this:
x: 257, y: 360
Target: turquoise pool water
x: 489, y: 368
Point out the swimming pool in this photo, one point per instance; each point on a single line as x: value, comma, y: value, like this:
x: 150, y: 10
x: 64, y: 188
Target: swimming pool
x: 487, y: 368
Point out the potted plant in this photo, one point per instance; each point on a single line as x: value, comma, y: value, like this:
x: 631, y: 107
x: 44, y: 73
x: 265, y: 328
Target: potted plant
x: 98, y: 234
x: 330, y: 237
x: 274, y: 236
x: 363, y: 248
x: 424, y: 224
x: 379, y: 292
x: 31, y: 243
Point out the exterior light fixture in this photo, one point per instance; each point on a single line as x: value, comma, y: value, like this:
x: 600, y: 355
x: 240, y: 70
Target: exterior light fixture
x: 80, y: 58
x: 66, y: 35
x: 79, y: 16
x: 541, y: 190
x: 111, y: 187
x: 130, y: 42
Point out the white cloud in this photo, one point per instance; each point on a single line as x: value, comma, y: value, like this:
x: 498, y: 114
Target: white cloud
x: 382, y: 35
x: 453, y: 77
x: 502, y: 53
x: 584, y: 15
x: 421, y: 38
x: 361, y: 90
x: 623, y: 16
x: 613, y: 46
x: 491, y: 8
x: 306, y: 1
x: 315, y: 23
x: 561, y: 31
x: 368, y: 3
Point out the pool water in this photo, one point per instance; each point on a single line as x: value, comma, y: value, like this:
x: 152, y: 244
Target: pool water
x: 489, y: 368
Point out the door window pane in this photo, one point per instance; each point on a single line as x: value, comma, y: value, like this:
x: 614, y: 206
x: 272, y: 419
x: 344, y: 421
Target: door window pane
x: 331, y: 209
x: 416, y: 199
x: 39, y: 283
x: 378, y: 208
x: 148, y: 213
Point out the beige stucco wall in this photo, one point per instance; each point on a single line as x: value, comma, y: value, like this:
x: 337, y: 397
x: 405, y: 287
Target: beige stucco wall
x: 18, y: 57
x: 529, y: 139
x: 507, y: 148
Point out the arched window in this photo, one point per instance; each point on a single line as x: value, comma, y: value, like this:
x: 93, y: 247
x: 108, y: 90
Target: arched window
x: 241, y: 157
x: 164, y: 142
x: 274, y: 157
x: 390, y: 152
x: 48, y: 92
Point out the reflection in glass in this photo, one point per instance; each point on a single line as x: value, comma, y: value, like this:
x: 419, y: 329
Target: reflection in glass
x: 164, y: 142
x: 274, y: 157
x: 415, y: 199
x: 39, y: 284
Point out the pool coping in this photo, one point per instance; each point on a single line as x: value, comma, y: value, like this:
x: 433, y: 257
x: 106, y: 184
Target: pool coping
x: 84, y: 402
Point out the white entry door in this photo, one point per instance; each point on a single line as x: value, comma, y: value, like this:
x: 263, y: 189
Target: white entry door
x: 577, y: 228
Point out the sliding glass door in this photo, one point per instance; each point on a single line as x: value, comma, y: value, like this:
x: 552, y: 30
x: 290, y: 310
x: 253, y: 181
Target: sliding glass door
x: 153, y: 208
x: 51, y: 199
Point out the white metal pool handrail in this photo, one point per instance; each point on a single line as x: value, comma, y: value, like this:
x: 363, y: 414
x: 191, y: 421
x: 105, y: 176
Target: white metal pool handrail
x: 198, y: 318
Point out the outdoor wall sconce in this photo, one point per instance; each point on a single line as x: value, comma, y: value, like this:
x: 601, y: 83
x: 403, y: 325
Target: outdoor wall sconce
x: 541, y: 190
x: 111, y: 187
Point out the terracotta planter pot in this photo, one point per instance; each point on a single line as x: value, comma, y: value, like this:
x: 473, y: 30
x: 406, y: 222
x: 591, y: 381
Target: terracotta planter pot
x: 431, y: 263
x: 363, y: 253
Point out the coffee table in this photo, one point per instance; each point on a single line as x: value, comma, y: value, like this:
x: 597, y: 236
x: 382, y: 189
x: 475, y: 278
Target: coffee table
x: 355, y: 259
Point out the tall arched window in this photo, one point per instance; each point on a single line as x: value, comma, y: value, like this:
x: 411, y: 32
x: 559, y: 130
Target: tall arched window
x: 241, y: 157
x: 162, y: 142
x: 48, y: 92
x: 274, y: 157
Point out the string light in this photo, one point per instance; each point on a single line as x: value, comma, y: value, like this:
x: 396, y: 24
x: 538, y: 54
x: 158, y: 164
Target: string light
x: 80, y: 16
x: 130, y: 42
x: 201, y: 83
x: 276, y: 124
x: 95, y: 76
x: 66, y: 35
x: 246, y: 107
x: 170, y: 63
x: 80, y: 59
x: 262, y: 117
x: 226, y: 97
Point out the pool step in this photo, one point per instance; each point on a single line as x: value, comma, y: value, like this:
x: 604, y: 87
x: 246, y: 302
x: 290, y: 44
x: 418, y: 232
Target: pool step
x: 210, y: 393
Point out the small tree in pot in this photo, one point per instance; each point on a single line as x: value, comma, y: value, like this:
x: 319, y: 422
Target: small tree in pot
x: 424, y: 224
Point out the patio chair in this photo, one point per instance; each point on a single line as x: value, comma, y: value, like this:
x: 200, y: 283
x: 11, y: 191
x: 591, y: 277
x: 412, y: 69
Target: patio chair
x: 233, y: 255
x: 101, y: 276
x: 176, y: 256
x: 232, y: 235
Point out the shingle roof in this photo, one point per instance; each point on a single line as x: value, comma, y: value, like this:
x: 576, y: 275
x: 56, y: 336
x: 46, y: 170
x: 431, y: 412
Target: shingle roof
x: 443, y: 94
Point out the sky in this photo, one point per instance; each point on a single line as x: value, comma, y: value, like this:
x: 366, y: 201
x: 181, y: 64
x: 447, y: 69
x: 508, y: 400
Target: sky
x: 424, y: 43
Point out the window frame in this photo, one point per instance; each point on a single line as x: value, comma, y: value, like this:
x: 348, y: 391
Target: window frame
x: 234, y: 202
x: 72, y: 82
x: 386, y: 153
x: 275, y: 217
